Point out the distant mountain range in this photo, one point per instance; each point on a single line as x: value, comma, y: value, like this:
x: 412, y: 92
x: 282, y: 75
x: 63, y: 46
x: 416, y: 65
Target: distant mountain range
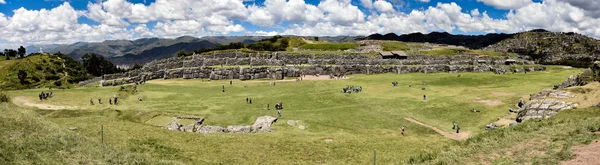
x: 540, y: 44
x: 140, y: 51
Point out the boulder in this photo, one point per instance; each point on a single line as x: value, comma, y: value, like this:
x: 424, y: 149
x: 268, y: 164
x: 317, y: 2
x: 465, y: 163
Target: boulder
x: 189, y: 128
x: 239, y: 129
x: 210, y: 129
x: 293, y: 122
x: 173, y: 126
x: 302, y: 127
x: 263, y: 124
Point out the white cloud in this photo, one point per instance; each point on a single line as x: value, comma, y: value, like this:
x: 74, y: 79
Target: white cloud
x: 424, y: 1
x: 120, y: 19
x: 341, y: 12
x: 367, y: 3
x: 506, y: 4
x: 2, y: 2
x: 383, y: 6
x: 263, y: 33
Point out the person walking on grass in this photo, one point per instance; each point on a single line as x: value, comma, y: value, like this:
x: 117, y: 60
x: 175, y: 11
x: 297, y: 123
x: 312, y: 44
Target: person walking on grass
x: 91, y: 101
x: 402, y: 130
x: 454, y: 125
x: 457, y: 129
x: 278, y: 113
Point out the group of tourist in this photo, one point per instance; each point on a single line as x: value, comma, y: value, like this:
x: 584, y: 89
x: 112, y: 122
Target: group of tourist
x: 351, y: 88
x: 45, y: 96
x: 114, y: 100
x: 394, y: 83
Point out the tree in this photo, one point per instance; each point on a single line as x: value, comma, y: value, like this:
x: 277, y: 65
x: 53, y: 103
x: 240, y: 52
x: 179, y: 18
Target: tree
x: 316, y: 38
x: 22, y: 76
x: 181, y: 53
x: 21, y: 51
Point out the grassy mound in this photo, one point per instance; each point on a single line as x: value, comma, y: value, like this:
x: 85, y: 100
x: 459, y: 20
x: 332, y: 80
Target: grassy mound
x: 28, y: 138
x: 532, y: 142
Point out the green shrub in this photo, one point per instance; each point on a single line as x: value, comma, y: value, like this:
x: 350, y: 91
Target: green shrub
x: 35, y: 78
x: 51, y: 77
x: 39, y: 67
x: 3, y: 97
x: 58, y: 83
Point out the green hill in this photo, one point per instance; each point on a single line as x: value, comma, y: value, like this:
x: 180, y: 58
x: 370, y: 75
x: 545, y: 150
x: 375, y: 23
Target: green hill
x: 57, y: 71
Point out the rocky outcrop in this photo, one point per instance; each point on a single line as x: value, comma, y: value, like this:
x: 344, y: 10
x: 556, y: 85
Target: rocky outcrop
x: 211, y: 129
x: 262, y: 124
x: 544, y: 104
x: 571, y: 81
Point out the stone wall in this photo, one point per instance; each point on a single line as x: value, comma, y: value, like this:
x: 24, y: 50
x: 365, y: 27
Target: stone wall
x: 278, y: 66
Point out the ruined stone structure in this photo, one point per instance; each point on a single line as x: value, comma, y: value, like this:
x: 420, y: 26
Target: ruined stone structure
x: 262, y: 124
x: 277, y: 66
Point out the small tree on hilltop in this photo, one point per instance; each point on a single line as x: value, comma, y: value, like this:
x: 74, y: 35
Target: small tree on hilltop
x: 21, y: 51
x: 181, y: 53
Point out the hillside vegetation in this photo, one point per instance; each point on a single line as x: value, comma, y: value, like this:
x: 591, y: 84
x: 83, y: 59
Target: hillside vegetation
x: 40, y: 71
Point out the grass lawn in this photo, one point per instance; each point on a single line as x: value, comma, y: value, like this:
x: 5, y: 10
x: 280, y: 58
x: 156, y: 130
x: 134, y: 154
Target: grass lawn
x: 342, y: 128
x: 330, y: 46
x: 394, y: 45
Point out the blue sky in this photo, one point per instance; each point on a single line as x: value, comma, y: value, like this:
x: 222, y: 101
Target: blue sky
x: 26, y: 22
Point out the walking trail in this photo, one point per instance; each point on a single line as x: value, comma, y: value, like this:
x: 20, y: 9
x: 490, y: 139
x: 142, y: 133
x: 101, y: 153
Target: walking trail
x: 455, y: 136
x: 23, y: 101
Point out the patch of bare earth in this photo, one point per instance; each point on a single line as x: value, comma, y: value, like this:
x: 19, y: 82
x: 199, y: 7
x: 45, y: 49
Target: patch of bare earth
x: 585, y: 154
x: 456, y: 136
x: 491, y: 103
x: 22, y: 101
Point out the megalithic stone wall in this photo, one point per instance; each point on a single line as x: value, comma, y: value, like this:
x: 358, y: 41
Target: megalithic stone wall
x: 278, y: 65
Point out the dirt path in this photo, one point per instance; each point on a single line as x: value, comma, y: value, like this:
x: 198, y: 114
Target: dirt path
x: 22, y: 101
x: 455, y: 136
x: 586, y: 154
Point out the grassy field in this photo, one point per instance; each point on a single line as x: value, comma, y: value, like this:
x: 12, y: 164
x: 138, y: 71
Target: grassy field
x: 393, y: 45
x: 330, y: 46
x: 342, y: 128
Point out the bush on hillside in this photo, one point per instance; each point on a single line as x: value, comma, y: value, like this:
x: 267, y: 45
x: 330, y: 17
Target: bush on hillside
x: 57, y: 83
x: 38, y: 67
x: 3, y: 97
x: 51, y: 77
x: 35, y: 78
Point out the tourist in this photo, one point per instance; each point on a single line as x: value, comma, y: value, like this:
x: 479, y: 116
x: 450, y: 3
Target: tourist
x: 110, y: 101
x: 246, y: 100
x: 139, y: 99
x: 424, y: 97
x: 454, y: 125
x: 230, y: 82
x: 457, y: 128
x: 402, y: 130
x: 278, y: 113
x: 268, y: 107
x: 250, y: 100
x: 115, y: 100
x: 91, y: 101
x: 99, y: 100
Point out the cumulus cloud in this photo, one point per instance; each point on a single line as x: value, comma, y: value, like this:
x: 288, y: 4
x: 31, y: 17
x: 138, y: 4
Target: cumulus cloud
x: 506, y: 4
x: 121, y: 19
x: 2, y: 2
x: 383, y: 6
x: 424, y: 1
